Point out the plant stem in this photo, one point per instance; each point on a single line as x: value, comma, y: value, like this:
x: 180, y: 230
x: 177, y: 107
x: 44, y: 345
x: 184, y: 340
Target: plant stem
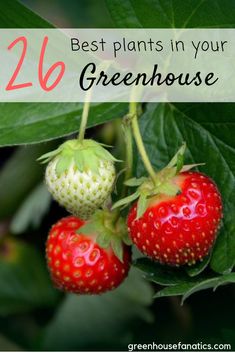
x: 103, y: 66
x: 129, y: 153
x: 84, y: 118
x: 128, y: 157
x: 139, y: 141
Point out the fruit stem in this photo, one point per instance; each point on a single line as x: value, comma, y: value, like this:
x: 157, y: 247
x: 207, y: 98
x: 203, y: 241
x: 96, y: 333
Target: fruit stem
x: 129, y: 155
x: 85, y: 113
x: 139, y: 142
x: 103, y: 66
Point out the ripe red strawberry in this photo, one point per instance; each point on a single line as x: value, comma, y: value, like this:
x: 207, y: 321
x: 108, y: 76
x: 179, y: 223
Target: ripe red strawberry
x: 181, y: 229
x: 78, y: 264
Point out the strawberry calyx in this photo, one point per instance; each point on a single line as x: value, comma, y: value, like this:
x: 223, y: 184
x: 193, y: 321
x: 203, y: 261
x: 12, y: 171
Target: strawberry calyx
x: 163, y: 183
x: 84, y: 155
x: 110, y: 230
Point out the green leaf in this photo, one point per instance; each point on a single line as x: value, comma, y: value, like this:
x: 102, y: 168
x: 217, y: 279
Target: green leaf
x: 95, y: 225
x: 19, y: 176
x: 217, y: 118
x: 187, y: 289
x: 91, y: 162
x: 225, y: 279
x: 26, y: 123
x: 164, y: 126
x: 168, y: 188
x: 177, y: 281
x: 178, y: 289
x: 209, y: 283
x: 79, y: 161
x: 102, y: 153
x: 126, y: 200
x: 142, y: 204
x: 172, y: 13
x: 15, y: 15
x: 222, y: 260
x: 117, y: 247
x: 63, y: 163
x: 198, y: 267
x: 109, y: 230
x: 103, y: 240
x: 188, y: 167
x: 135, y: 181
x: 160, y: 274
x: 32, y: 210
x: 88, y: 319
x: 46, y: 157
x: 177, y: 159
x: 24, y: 280
x: 126, y: 239
x: 87, y: 229
x: 180, y: 163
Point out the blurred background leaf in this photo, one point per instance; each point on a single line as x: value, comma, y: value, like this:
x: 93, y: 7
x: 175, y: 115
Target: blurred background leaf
x: 99, y: 320
x: 19, y: 175
x: 24, y: 281
x: 7, y: 345
x: 32, y: 211
x: 79, y: 14
x: 172, y: 13
x: 14, y: 15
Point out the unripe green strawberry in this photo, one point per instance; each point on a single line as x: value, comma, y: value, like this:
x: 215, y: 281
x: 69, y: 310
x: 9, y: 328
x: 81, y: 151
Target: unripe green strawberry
x: 80, y: 176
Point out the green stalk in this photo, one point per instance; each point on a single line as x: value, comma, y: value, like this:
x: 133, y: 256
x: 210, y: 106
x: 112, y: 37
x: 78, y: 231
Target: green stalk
x: 85, y: 113
x: 139, y: 142
x: 125, y: 137
x: 129, y: 153
x: 103, y: 66
x: 129, y: 156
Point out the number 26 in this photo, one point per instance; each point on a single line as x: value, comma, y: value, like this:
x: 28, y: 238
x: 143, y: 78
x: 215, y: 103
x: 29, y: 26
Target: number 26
x: 43, y: 79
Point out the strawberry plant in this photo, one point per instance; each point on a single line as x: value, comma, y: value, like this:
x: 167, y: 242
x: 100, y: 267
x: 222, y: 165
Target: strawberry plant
x: 149, y: 217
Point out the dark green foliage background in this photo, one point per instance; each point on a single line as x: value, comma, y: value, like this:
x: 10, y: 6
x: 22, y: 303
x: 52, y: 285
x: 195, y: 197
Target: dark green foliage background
x: 35, y: 316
